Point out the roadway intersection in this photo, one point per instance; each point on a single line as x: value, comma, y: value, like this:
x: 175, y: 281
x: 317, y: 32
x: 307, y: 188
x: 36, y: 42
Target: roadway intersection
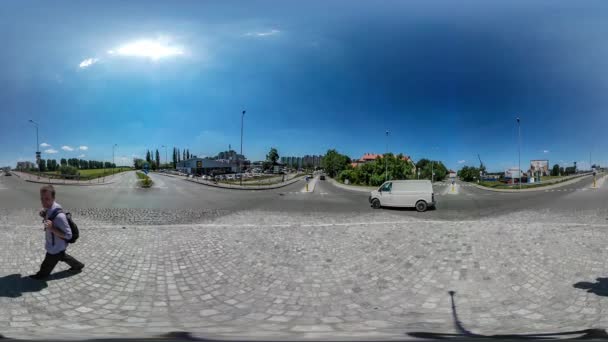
x: 177, y: 193
x: 286, y: 264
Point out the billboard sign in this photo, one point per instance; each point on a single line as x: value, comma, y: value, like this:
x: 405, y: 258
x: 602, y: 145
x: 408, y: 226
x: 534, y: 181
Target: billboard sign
x: 512, y: 173
x: 541, y: 166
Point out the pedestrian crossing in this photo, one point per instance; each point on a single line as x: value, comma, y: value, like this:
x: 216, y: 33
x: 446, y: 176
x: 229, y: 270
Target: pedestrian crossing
x: 303, y: 193
x: 449, y: 184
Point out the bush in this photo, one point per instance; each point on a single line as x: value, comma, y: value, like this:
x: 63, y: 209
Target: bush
x: 67, y: 170
x: 144, y: 180
x: 146, y: 183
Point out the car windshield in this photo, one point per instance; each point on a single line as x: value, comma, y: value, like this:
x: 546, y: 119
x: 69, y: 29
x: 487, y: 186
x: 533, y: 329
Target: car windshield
x: 303, y: 170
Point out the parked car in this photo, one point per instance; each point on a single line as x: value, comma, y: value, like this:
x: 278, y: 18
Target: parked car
x: 404, y: 193
x: 7, y: 174
x: 322, y: 177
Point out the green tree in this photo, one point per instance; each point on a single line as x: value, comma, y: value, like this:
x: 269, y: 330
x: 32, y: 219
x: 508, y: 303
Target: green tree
x: 64, y: 162
x: 272, y: 156
x: 427, y: 167
x: 468, y: 173
x: 174, y: 157
x: 561, y: 170
x: 555, y: 170
x: 148, y: 158
x: 42, y: 165
x: 138, y: 163
x: 334, y: 163
x: 157, y: 158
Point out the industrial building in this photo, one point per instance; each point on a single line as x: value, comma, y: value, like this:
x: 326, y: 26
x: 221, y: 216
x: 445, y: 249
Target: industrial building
x: 207, y: 166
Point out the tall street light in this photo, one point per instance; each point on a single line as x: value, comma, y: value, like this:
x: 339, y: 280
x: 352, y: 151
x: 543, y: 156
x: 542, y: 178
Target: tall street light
x: 240, y: 167
x: 519, y: 150
x: 386, y: 158
x: 37, y: 147
x: 114, y: 146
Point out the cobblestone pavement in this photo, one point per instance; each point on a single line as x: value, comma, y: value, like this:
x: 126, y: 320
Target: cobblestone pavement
x: 261, y: 274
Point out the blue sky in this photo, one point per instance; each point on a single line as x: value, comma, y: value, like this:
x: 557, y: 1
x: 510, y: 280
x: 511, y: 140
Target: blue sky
x: 446, y: 78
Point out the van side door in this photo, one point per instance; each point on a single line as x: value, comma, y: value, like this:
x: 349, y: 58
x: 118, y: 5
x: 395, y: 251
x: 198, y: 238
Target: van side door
x: 386, y: 197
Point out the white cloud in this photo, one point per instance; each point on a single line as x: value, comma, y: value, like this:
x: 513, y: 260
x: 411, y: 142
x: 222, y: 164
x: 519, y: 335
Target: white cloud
x: 45, y: 145
x: 153, y: 49
x: 83, y: 148
x: 50, y: 150
x: 67, y: 148
x: 88, y: 62
x: 461, y: 161
x: 545, y: 151
x: 81, y: 156
x: 263, y: 34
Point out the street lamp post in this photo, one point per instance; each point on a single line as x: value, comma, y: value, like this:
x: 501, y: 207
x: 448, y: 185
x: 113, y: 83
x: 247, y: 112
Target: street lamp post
x: 519, y: 150
x: 114, y: 146
x: 386, y: 158
x: 37, y: 147
x: 240, y: 167
x: 165, y: 147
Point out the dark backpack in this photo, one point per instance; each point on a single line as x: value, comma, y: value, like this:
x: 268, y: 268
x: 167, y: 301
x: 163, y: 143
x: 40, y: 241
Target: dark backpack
x: 73, y: 226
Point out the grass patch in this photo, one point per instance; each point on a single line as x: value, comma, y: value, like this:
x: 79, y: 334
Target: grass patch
x: 87, y: 174
x: 144, y: 180
x: 501, y: 185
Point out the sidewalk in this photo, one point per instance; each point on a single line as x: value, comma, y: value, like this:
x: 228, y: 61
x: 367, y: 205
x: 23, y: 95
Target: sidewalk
x: 46, y: 180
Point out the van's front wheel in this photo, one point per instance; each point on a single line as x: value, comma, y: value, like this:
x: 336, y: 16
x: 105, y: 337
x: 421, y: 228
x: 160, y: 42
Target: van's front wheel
x: 376, y: 203
x: 421, y: 206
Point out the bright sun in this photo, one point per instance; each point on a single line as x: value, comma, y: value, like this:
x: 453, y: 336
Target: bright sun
x: 147, y: 48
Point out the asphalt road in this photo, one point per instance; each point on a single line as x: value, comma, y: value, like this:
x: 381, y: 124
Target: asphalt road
x: 177, y: 193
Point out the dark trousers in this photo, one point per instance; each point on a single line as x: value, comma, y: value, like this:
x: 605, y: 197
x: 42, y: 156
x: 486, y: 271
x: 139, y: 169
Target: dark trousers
x: 51, y: 260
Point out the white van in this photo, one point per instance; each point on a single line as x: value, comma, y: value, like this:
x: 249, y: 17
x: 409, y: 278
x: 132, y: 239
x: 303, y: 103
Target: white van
x: 404, y: 193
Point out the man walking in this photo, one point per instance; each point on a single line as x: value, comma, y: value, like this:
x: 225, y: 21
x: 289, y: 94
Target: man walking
x: 57, y: 232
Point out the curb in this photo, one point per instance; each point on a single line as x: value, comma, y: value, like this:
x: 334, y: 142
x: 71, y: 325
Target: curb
x: 72, y: 184
x: 311, y: 188
x: 348, y: 187
x: 268, y: 187
x: 540, y: 188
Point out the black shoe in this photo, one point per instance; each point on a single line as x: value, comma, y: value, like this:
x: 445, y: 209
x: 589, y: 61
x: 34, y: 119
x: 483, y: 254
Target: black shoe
x: 76, y: 269
x: 38, y: 277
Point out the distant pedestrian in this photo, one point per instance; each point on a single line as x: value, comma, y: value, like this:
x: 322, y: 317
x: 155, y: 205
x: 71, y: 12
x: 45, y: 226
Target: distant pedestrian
x: 57, y: 232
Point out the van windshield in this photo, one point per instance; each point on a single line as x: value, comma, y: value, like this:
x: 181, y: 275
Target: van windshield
x: 386, y: 187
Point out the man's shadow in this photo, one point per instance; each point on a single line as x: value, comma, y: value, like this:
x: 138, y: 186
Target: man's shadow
x: 15, y: 285
x: 600, y: 287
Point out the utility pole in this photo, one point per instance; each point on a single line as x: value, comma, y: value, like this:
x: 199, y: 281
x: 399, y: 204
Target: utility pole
x: 240, y: 167
x: 519, y: 150
x: 115, y: 145
x: 37, y: 147
x: 386, y: 158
